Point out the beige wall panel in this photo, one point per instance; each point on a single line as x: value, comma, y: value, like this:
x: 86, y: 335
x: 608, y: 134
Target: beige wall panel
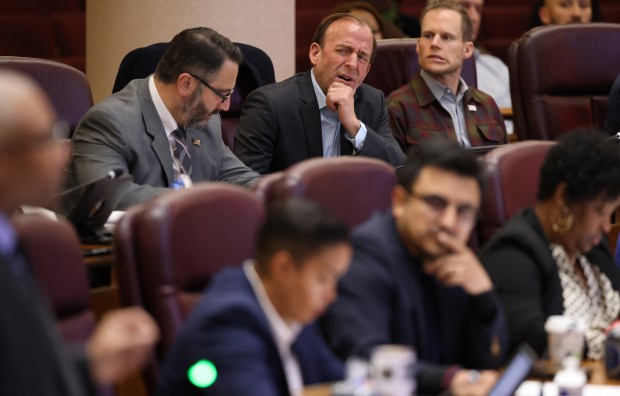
x: 115, y: 27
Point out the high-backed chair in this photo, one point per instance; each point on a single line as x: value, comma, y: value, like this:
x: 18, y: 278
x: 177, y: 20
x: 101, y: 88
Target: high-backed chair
x: 397, y: 62
x: 560, y: 77
x: 179, y: 241
x: 67, y: 87
x: 256, y: 70
x: 352, y: 188
x: 512, y: 172
x: 53, y: 249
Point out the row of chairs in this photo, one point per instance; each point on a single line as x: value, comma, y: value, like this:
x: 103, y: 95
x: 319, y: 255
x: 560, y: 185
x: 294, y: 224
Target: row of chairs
x: 556, y: 85
x: 167, y: 250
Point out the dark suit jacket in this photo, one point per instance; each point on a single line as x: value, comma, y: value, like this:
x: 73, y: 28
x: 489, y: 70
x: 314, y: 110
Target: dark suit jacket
x: 612, y: 119
x: 526, y: 278
x: 125, y: 132
x: 229, y: 328
x: 386, y: 298
x: 33, y: 359
x: 281, y: 125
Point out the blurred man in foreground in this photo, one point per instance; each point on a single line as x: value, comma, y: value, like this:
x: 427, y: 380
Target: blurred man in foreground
x: 34, y: 361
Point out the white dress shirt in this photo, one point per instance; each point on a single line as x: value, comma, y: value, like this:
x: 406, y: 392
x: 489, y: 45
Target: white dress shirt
x: 330, y: 125
x: 283, y: 334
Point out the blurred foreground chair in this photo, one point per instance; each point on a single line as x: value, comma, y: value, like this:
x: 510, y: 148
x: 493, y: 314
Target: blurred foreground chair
x: 168, y: 249
x: 352, y: 188
x: 67, y: 87
x: 53, y: 249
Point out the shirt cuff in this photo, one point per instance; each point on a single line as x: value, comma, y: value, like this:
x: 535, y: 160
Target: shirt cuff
x: 360, y: 138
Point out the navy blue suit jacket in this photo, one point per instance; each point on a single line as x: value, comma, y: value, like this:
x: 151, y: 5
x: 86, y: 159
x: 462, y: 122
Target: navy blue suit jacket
x: 386, y: 298
x: 229, y: 328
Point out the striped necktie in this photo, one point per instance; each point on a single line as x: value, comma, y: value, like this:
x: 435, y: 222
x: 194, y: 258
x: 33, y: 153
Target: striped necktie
x: 180, y: 151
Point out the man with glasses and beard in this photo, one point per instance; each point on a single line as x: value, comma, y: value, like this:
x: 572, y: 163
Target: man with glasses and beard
x: 414, y: 281
x: 165, y: 130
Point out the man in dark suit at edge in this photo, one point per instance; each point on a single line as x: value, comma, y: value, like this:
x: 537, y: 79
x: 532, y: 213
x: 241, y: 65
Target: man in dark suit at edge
x: 324, y: 112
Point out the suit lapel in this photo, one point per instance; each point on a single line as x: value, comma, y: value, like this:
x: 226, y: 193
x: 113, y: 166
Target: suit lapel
x: 310, y: 117
x: 155, y: 129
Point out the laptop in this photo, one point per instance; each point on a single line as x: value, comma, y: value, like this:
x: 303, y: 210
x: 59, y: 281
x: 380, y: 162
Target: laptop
x: 516, y: 371
x: 96, y: 201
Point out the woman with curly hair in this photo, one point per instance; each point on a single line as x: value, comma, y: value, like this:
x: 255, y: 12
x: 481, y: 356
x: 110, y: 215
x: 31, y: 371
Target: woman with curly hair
x: 553, y: 259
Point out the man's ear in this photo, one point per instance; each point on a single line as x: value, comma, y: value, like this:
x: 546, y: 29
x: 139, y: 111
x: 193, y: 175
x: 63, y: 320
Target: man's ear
x: 468, y: 49
x: 315, y: 53
x: 280, y: 265
x: 544, y: 15
x: 399, y: 198
x: 184, y: 84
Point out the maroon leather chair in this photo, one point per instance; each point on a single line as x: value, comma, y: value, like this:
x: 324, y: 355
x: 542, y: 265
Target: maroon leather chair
x: 512, y: 173
x: 560, y: 77
x: 53, y: 249
x: 397, y: 62
x: 267, y: 187
x: 67, y: 87
x: 168, y: 249
x: 352, y: 188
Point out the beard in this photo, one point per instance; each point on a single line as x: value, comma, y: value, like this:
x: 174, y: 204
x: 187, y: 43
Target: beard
x: 195, y: 113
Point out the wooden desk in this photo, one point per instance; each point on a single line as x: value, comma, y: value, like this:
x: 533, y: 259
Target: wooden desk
x: 598, y: 377
x: 101, y: 271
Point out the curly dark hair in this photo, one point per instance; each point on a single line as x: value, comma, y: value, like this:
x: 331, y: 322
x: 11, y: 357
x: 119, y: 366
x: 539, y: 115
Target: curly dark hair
x: 588, y: 162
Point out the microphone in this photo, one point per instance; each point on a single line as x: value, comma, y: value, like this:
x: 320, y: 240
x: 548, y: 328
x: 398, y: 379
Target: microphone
x: 112, y: 174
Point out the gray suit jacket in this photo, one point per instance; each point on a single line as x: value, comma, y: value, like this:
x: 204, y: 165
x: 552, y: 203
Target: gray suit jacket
x: 281, y: 125
x: 125, y: 132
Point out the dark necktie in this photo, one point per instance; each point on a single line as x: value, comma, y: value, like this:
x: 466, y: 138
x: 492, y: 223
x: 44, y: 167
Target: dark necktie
x: 180, y: 151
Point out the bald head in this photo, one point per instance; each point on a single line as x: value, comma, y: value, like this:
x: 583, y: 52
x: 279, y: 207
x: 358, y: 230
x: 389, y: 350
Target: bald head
x: 20, y: 97
x: 31, y: 161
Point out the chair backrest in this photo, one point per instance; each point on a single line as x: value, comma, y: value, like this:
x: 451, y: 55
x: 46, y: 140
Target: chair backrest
x: 512, y: 173
x: 560, y: 77
x: 256, y: 70
x: 266, y: 187
x: 352, y: 188
x: 53, y: 249
x: 179, y: 241
x: 397, y: 62
x: 67, y: 87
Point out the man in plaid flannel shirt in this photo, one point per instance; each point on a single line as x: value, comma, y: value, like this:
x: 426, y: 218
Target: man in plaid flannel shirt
x: 437, y: 101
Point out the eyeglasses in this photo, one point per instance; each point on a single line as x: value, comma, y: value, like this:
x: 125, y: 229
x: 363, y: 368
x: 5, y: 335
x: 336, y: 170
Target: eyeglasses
x: 36, y: 141
x: 465, y: 214
x: 216, y: 91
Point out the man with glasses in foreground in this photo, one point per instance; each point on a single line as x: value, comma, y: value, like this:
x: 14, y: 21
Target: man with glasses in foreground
x: 165, y: 130
x: 324, y: 112
x: 414, y: 281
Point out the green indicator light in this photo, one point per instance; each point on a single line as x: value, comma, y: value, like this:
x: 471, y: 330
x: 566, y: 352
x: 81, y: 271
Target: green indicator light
x: 202, y: 374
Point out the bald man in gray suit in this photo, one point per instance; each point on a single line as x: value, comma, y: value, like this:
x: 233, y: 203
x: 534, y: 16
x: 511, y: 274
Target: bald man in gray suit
x: 137, y: 129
